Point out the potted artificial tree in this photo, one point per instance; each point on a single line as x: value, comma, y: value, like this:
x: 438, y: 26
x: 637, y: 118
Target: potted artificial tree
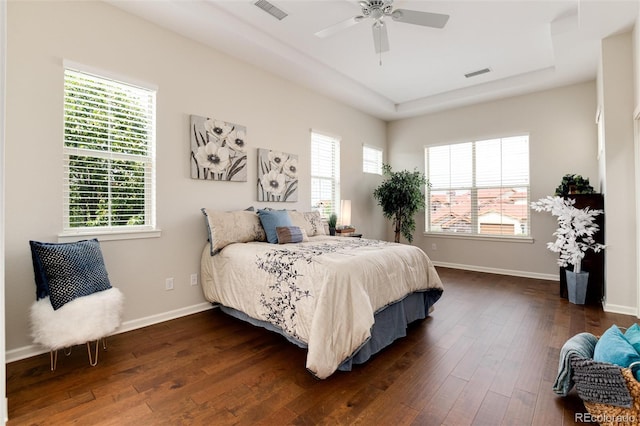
x: 574, y: 237
x: 400, y: 196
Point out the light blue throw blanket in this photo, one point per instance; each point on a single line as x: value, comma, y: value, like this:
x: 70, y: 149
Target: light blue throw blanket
x: 582, y: 344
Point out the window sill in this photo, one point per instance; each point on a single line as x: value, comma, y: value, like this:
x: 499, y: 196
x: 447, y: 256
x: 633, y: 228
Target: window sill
x: 500, y: 238
x: 67, y: 237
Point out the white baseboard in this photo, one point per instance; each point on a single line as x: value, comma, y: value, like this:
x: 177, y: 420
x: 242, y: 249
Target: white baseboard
x: 515, y: 273
x: 620, y: 309
x: 607, y: 307
x: 33, y: 350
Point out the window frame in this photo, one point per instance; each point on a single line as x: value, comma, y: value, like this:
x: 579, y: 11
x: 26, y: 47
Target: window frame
x: 377, y: 165
x: 147, y: 158
x: 334, y: 177
x: 473, y: 189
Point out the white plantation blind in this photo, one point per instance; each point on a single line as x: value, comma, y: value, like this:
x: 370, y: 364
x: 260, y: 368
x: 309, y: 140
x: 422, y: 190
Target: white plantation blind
x: 325, y: 173
x: 371, y: 160
x: 109, y: 154
x: 479, y: 188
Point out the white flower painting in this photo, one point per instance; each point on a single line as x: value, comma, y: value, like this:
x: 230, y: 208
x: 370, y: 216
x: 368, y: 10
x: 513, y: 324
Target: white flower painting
x: 277, y: 176
x: 218, y: 150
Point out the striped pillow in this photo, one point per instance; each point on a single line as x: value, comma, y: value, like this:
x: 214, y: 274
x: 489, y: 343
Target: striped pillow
x: 291, y: 234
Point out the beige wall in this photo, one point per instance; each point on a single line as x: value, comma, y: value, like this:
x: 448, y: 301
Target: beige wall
x: 636, y: 64
x: 3, y: 43
x: 191, y: 79
x: 562, y: 140
x: 616, y: 99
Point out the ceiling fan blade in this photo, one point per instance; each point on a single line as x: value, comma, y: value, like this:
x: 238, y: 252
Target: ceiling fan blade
x: 336, y: 28
x: 380, y: 37
x: 426, y: 19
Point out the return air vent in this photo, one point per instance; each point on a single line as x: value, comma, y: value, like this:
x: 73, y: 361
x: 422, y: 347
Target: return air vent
x: 272, y: 10
x: 477, y: 73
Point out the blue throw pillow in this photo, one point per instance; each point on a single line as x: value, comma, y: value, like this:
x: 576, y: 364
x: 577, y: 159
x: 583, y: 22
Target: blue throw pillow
x: 66, y: 271
x: 633, y: 336
x: 614, y: 348
x: 270, y: 219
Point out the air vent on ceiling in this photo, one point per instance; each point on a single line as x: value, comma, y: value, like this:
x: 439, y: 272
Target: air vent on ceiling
x: 272, y: 10
x: 476, y: 73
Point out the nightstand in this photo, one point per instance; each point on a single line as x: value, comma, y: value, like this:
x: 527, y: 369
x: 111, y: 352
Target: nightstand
x: 345, y: 232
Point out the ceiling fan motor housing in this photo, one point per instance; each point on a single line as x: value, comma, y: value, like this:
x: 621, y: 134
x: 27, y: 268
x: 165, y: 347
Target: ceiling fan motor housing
x: 377, y: 9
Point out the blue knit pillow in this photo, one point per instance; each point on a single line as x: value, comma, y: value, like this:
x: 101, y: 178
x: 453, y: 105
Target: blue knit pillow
x: 66, y: 271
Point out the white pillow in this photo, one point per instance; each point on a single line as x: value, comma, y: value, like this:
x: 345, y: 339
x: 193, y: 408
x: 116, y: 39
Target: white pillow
x: 311, y: 222
x: 225, y: 228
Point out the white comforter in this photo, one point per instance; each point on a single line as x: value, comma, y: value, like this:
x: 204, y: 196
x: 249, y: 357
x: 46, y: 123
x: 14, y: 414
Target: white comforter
x: 323, y: 292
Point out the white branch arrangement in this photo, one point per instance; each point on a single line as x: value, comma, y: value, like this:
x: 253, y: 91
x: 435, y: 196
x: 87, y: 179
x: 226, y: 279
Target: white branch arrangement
x: 576, y: 228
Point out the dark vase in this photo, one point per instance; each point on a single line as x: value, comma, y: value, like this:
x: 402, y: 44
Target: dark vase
x: 332, y: 231
x: 577, y: 286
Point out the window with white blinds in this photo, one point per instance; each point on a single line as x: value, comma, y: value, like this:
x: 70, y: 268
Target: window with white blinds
x: 371, y: 160
x: 109, y: 154
x: 325, y: 173
x: 479, y: 188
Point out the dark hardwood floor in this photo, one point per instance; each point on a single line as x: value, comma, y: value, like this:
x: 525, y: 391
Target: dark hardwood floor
x: 488, y: 355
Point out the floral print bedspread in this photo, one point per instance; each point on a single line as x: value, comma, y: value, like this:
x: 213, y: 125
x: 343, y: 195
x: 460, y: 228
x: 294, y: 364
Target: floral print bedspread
x: 324, y: 292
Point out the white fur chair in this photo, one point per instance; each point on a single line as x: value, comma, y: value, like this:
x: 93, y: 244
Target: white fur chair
x: 82, y: 320
x: 75, y: 303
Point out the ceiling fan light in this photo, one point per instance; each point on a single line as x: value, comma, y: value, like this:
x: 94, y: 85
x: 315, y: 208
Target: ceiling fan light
x: 397, y: 14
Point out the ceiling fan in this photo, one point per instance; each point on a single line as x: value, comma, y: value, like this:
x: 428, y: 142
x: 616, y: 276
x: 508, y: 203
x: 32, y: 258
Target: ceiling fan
x: 377, y: 10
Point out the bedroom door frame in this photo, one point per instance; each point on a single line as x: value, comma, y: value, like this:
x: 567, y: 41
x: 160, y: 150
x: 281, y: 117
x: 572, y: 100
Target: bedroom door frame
x: 636, y: 144
x: 3, y: 66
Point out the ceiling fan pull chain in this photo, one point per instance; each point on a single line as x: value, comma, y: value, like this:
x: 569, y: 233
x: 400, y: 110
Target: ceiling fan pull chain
x: 380, y: 43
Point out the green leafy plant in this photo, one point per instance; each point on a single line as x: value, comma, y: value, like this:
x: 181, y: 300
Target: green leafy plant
x: 333, y: 220
x: 400, y: 196
x: 574, y: 184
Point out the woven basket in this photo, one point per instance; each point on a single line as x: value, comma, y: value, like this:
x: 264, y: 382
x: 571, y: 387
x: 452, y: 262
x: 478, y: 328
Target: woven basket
x: 610, y: 393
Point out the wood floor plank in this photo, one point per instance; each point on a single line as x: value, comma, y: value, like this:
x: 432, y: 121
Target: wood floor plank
x: 470, y: 399
x: 439, y: 405
x: 492, y: 410
x: 547, y: 411
x: 520, y: 410
x: 487, y: 355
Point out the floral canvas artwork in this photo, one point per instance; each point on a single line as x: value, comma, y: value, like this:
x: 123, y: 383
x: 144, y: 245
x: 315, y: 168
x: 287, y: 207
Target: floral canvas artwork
x: 218, y: 150
x: 277, y: 176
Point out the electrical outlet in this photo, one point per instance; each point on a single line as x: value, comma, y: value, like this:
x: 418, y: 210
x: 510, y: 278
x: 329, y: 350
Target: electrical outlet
x: 194, y: 279
x: 168, y: 284
x: 434, y: 246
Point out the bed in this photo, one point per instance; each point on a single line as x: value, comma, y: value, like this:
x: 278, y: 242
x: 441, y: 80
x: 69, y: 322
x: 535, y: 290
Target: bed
x: 343, y: 299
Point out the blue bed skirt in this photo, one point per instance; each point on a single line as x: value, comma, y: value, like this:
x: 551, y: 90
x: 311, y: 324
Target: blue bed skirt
x: 390, y: 324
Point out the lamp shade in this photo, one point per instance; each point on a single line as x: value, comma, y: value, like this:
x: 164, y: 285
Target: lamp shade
x: 345, y: 212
